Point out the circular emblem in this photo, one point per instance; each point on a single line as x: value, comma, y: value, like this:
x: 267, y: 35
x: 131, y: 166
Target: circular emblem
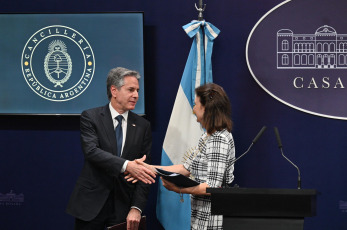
x: 301, y: 65
x: 58, y: 63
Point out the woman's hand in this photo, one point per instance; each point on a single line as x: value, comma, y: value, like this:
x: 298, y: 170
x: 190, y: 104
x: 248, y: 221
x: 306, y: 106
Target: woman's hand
x: 195, y: 190
x: 170, y: 186
x: 142, y: 162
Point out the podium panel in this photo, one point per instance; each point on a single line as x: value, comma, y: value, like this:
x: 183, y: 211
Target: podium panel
x: 258, y: 208
x: 234, y: 223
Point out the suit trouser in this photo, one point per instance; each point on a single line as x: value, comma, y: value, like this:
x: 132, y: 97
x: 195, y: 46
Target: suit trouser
x: 106, y: 217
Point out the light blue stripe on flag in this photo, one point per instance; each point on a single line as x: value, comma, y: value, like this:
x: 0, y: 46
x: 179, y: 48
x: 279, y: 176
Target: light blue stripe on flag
x: 183, y: 131
x: 172, y: 213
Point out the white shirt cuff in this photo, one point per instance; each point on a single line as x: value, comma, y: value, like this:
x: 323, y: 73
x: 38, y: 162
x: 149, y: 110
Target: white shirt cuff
x: 136, y: 208
x: 124, y: 166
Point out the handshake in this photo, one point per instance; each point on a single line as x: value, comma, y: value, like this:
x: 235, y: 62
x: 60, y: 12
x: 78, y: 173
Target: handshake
x: 138, y: 170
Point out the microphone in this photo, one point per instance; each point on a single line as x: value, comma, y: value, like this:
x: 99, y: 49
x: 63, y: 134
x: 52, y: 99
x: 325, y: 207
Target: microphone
x: 253, y: 142
x: 280, y: 147
x: 259, y: 134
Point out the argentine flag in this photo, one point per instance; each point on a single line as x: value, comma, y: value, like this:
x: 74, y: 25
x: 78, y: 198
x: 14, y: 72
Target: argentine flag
x: 184, y: 131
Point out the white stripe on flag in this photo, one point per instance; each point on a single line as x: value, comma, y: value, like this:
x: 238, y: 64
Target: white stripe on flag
x: 198, y: 61
x: 211, y: 30
x: 191, y: 28
x: 177, y: 140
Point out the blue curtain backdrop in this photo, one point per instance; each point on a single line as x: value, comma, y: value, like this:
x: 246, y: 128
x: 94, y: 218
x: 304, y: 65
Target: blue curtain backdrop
x: 41, y: 156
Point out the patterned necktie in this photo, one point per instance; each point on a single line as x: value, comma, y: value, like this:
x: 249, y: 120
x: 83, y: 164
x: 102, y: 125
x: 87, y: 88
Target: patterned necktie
x: 119, y: 135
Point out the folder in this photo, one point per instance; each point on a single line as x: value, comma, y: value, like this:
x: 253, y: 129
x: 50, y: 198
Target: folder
x: 178, y: 179
x: 123, y: 226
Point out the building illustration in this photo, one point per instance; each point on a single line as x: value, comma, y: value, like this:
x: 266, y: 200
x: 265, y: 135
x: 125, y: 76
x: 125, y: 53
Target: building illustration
x: 325, y: 49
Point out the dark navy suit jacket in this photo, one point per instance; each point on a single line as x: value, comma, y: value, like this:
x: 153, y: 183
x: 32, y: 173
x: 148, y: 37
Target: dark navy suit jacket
x: 101, y: 170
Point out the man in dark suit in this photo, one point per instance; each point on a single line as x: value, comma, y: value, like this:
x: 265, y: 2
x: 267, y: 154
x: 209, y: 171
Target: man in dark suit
x: 102, y: 197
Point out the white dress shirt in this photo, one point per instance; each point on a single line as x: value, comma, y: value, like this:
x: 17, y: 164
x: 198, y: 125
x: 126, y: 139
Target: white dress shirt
x: 114, y: 114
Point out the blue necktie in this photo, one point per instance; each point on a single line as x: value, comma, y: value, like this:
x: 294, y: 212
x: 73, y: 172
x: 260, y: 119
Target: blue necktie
x: 119, y: 134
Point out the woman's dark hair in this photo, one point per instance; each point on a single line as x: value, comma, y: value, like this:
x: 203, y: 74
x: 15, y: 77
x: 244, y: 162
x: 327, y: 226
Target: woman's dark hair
x: 217, y: 115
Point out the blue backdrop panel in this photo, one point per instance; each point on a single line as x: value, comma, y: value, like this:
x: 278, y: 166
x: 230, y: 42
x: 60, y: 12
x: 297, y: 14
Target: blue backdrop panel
x: 55, y: 63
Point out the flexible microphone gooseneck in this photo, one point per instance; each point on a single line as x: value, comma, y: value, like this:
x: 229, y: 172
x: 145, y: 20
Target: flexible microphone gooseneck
x: 253, y: 142
x: 280, y: 147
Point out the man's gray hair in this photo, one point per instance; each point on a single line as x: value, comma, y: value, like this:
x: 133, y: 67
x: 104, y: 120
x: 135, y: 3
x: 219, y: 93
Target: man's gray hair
x: 116, y: 77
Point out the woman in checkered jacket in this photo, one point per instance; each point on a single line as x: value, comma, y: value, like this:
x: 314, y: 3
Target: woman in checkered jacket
x: 211, y: 163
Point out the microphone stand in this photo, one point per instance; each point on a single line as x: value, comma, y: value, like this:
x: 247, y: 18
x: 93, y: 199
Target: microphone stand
x: 233, y: 162
x: 280, y: 147
x: 253, y: 142
x: 299, y: 177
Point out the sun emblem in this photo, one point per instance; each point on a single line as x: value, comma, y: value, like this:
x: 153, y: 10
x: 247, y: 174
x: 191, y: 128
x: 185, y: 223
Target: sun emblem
x: 58, y: 65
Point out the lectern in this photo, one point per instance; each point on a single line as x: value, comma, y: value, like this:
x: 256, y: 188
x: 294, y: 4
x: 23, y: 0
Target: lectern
x: 263, y: 209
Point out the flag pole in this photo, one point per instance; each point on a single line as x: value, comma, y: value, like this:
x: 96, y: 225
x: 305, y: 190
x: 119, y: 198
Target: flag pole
x: 201, y: 9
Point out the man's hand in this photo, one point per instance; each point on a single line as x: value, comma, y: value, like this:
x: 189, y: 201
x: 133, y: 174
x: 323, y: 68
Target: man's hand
x: 129, y: 177
x: 133, y: 219
x: 140, y: 172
